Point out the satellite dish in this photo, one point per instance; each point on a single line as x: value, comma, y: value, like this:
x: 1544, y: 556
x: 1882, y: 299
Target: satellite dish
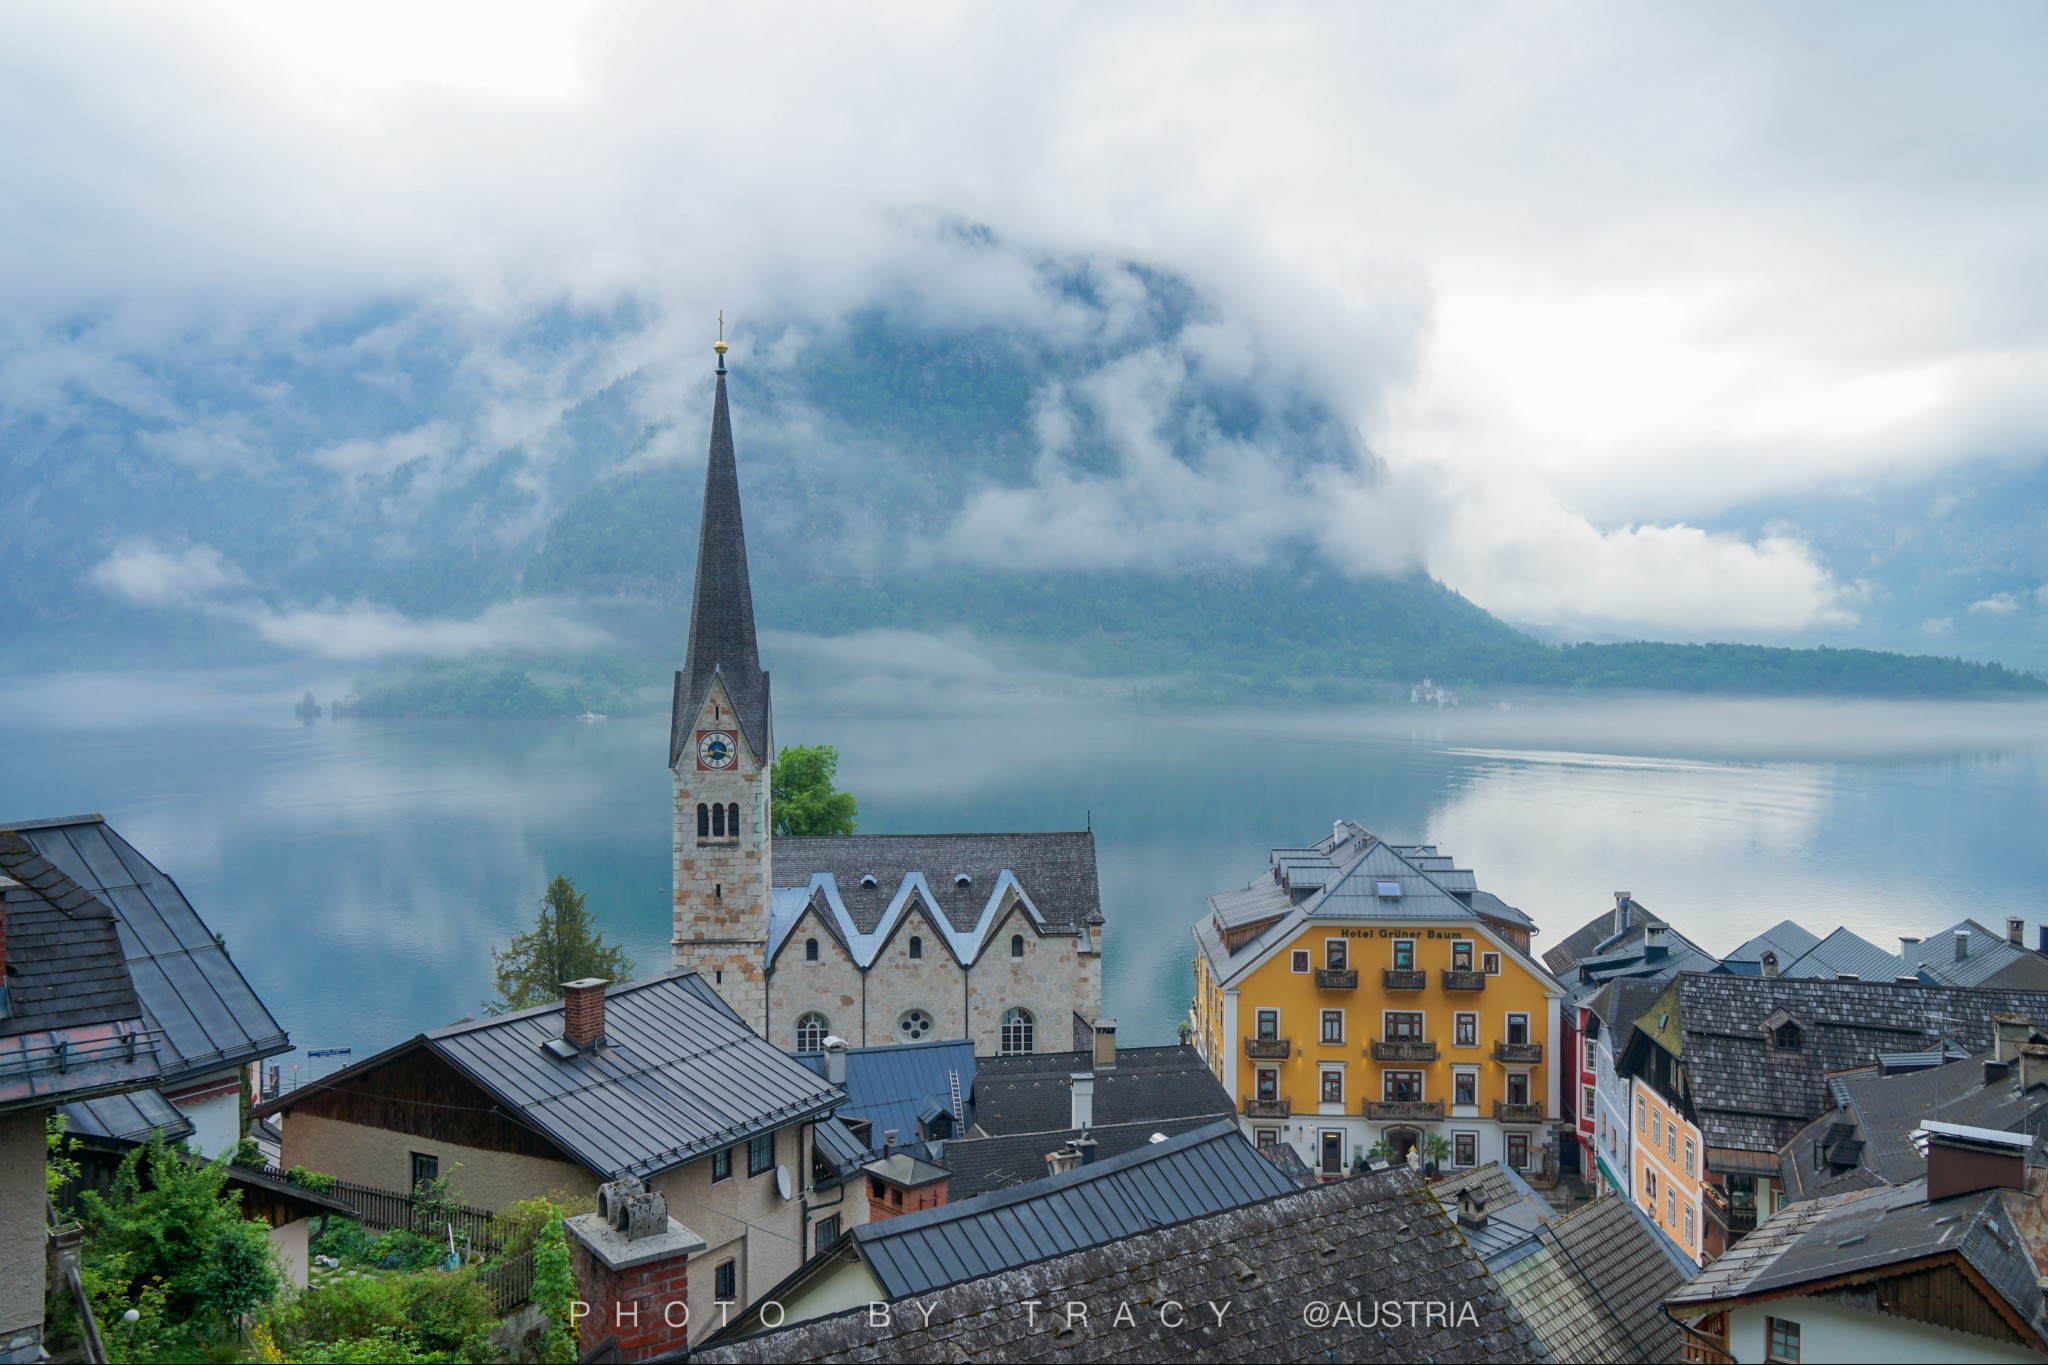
x: 782, y: 1182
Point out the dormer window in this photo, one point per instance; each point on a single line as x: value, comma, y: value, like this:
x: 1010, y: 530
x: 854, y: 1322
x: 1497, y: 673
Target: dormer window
x: 1785, y: 1037
x: 962, y: 879
x: 867, y: 881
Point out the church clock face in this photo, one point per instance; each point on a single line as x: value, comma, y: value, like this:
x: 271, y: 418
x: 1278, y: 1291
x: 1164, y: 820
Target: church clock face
x: 717, y: 750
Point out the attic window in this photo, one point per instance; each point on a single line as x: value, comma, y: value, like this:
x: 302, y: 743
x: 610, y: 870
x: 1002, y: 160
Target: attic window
x: 1785, y: 1037
x: 868, y: 880
x: 1390, y: 891
x: 962, y: 879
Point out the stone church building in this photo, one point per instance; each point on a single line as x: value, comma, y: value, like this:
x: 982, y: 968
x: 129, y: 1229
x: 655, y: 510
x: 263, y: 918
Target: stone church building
x: 872, y: 938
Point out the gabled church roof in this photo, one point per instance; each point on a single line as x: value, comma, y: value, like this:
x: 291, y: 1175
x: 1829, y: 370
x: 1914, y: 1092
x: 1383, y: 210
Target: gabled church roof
x: 722, y: 646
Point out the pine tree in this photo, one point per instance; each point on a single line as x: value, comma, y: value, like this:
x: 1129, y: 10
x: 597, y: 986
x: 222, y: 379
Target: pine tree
x: 564, y: 946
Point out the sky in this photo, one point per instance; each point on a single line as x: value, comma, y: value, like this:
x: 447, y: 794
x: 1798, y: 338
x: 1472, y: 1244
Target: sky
x: 1582, y: 277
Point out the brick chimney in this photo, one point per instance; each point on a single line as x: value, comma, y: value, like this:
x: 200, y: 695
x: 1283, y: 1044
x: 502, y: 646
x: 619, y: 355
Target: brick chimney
x: 632, y: 1272
x: 583, y: 1012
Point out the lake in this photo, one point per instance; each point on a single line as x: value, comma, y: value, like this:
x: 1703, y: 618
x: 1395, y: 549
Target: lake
x: 360, y: 871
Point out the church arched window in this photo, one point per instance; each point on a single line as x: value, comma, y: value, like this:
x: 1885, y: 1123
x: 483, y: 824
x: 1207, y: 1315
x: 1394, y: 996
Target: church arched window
x: 732, y: 820
x: 717, y: 821
x: 1018, y: 1030
x: 916, y: 946
x: 811, y: 1032
x: 703, y: 821
x: 810, y: 950
x: 1016, y: 945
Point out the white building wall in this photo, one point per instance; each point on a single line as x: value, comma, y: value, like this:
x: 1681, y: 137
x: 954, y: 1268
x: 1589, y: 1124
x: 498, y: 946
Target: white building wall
x: 1830, y: 1332
x: 216, y: 1122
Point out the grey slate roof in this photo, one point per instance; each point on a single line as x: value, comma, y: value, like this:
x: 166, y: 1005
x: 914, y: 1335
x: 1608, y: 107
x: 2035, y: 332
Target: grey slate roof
x: 1361, y: 1241
x: 205, y: 1014
x: 1025, y: 1105
x: 1880, y: 1113
x: 680, y: 1076
x: 1843, y: 953
x: 888, y: 1085
x: 1992, y: 960
x: 722, y: 643
x: 1055, y: 869
x: 1785, y: 938
x: 73, y: 1026
x: 1869, y: 1232
x: 1619, y: 1005
x: 1596, y: 934
x: 1751, y: 1096
x: 130, y: 1116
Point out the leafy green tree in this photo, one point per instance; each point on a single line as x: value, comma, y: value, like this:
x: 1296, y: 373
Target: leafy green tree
x: 804, y: 798
x: 565, y: 945
x: 554, y: 1287
x: 168, y: 1239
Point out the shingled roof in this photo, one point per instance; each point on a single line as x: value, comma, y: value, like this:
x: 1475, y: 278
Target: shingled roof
x: 1750, y: 1095
x: 71, y: 1027
x: 195, y: 999
x: 722, y: 645
x: 1367, y: 1245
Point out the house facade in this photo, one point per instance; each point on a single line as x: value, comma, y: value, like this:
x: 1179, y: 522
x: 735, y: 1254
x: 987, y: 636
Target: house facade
x: 657, y: 1081
x: 876, y: 940
x: 1365, y: 994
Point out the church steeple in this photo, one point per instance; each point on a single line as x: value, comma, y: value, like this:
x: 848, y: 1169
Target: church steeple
x: 722, y: 644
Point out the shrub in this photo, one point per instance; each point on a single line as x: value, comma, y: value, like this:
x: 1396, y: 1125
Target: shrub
x: 402, y: 1250
x: 451, y: 1311
x: 384, y: 1348
x: 340, y: 1310
x: 248, y: 1154
x: 519, y: 1225
x: 310, y: 1180
x: 343, y: 1239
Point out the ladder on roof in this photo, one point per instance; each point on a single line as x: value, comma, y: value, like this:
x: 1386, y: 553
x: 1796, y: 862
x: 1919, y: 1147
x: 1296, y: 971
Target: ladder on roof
x: 959, y: 1116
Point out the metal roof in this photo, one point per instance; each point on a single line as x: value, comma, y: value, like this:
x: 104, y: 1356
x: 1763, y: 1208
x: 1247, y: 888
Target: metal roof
x: 1990, y: 956
x: 1843, y: 953
x: 73, y: 1026
x: 1785, y: 938
x: 127, y: 1117
x: 202, y: 1009
x: 888, y: 1085
x: 1153, y: 1186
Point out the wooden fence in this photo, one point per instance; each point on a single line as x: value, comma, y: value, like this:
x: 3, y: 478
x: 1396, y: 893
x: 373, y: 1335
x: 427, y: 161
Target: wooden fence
x: 384, y: 1209
x: 510, y: 1282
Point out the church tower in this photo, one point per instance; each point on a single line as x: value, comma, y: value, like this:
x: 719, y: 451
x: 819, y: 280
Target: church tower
x: 721, y: 743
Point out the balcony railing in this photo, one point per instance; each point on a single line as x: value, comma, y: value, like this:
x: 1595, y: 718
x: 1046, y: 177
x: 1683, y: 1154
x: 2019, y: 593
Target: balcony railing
x: 1400, y: 979
x: 1456, y: 979
x: 1419, y: 1111
x: 1269, y: 1049
x: 1267, y: 1109
x: 1518, y: 1052
x: 1736, y: 1219
x: 1336, y: 978
x: 1403, y: 1050
x: 1506, y: 1112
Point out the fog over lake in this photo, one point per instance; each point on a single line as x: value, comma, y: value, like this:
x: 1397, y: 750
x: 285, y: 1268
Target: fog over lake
x: 361, y: 870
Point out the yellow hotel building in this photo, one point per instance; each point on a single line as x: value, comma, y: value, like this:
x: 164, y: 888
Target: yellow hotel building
x: 1364, y: 993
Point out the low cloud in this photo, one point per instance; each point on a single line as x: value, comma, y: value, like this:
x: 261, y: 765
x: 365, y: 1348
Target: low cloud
x: 360, y: 631
x: 141, y: 573
x: 1998, y: 604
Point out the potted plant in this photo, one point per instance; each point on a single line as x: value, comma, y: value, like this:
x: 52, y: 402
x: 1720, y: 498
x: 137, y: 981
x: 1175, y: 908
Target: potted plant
x: 1435, y: 1151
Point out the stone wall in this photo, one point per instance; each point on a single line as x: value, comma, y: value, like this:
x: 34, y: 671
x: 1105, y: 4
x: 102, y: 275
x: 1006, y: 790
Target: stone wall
x: 380, y: 1157
x: 1044, y: 980
x: 897, y: 982
x: 831, y: 986
x: 22, y: 1255
x: 721, y: 885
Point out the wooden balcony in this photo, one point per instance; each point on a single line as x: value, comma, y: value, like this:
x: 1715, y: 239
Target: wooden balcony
x: 1413, y: 1111
x: 1336, y: 978
x: 1269, y: 1049
x: 1504, y: 1112
x: 1386, y: 1050
x: 1455, y: 980
x: 1518, y: 1052
x: 1267, y: 1109
x: 1394, y: 979
x: 1736, y: 1220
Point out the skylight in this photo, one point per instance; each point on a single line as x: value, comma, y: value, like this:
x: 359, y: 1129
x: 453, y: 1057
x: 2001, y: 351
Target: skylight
x: 1389, y: 891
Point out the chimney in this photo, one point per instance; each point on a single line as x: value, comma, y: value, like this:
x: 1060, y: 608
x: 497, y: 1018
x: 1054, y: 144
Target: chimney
x: 1622, y: 901
x: 1471, y: 1209
x: 2009, y: 1032
x: 1105, y: 1045
x: 1770, y: 963
x: 583, y: 1012
x: 888, y: 1140
x: 1084, y: 1099
x: 2016, y: 932
x: 1653, y: 942
x: 1994, y: 1072
x: 1962, y: 944
x: 2043, y: 932
x: 1909, y: 953
x: 1965, y: 1160
x: 630, y: 1260
x: 2032, y: 1060
x: 1086, y: 1147
x: 835, y: 1060
x: 1065, y: 1159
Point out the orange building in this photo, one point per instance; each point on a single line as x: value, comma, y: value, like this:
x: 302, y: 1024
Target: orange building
x: 1364, y: 997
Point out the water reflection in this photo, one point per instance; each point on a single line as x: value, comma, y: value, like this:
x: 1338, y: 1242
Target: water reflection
x: 361, y: 870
